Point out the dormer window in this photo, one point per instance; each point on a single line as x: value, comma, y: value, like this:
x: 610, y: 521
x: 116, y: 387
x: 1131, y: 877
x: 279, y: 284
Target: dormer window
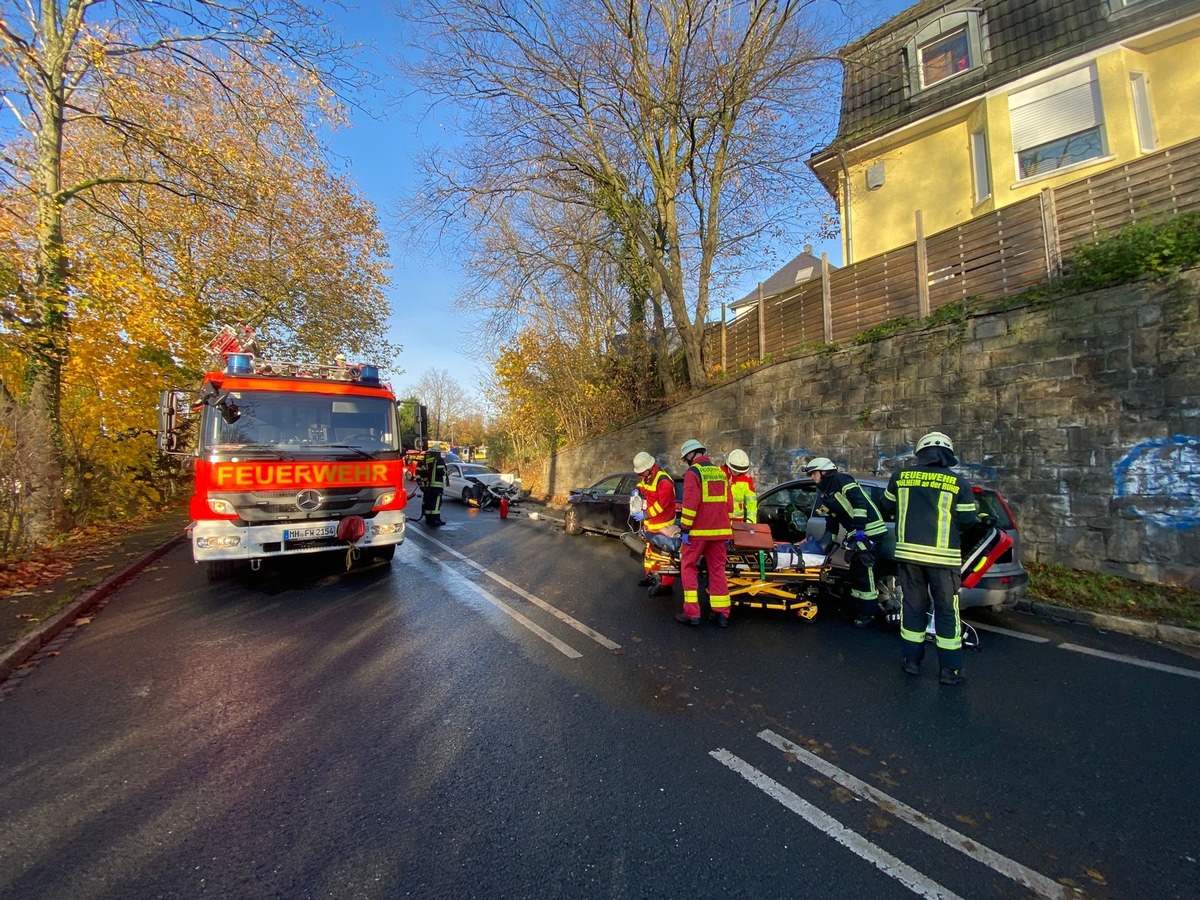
x: 944, y: 47
x: 946, y: 56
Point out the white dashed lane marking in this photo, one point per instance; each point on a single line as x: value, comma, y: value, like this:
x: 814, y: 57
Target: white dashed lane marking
x: 889, y: 865
x: 532, y: 598
x: 1132, y: 660
x: 1035, y: 882
x: 1020, y: 635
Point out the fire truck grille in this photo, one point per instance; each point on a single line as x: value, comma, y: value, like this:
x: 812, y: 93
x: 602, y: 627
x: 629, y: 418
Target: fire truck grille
x: 275, y: 506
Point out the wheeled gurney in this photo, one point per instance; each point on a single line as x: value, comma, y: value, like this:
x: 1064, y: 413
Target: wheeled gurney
x: 779, y: 578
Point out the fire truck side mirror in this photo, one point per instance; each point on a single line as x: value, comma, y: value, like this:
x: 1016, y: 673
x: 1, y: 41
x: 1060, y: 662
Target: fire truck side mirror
x: 173, y: 411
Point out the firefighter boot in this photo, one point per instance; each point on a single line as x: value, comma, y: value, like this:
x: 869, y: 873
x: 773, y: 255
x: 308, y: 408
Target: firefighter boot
x: 951, y: 676
x: 867, y: 609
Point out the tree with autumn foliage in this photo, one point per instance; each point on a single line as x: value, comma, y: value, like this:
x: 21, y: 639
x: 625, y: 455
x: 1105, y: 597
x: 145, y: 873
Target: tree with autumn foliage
x: 548, y: 393
x: 163, y: 168
x: 73, y: 81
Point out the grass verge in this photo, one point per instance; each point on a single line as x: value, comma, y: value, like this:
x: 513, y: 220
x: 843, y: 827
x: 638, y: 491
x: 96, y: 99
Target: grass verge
x: 1116, y: 596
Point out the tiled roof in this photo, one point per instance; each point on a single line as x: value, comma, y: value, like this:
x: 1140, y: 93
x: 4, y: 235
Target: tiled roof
x: 1022, y: 36
x: 800, y: 268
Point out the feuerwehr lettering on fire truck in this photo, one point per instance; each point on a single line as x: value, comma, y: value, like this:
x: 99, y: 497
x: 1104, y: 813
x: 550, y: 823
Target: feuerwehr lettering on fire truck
x: 296, y: 475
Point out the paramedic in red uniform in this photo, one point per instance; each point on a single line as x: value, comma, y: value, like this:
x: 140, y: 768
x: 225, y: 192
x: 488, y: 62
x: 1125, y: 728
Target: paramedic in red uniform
x: 658, y: 514
x: 707, y: 506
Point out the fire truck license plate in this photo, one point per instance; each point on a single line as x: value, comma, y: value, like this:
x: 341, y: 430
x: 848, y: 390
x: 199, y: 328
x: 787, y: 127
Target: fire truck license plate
x: 307, y: 534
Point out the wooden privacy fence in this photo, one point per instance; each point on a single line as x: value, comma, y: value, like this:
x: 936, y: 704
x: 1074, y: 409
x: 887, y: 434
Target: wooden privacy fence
x: 993, y: 256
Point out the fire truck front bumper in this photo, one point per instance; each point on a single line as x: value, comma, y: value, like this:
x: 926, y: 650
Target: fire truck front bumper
x: 216, y: 540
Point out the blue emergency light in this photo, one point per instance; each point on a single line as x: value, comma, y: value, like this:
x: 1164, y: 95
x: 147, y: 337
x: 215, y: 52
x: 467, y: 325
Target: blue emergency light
x: 368, y: 373
x: 240, y: 364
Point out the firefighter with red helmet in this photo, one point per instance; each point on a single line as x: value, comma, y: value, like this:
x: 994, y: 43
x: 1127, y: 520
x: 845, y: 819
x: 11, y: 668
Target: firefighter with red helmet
x: 933, y: 505
x: 657, y: 492
x: 704, y: 519
x: 741, y: 486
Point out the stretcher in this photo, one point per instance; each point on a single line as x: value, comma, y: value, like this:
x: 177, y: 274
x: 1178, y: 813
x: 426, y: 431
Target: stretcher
x: 780, y: 578
x: 766, y: 574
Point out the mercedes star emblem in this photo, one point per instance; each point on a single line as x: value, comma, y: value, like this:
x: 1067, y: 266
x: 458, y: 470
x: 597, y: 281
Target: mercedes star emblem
x: 308, y: 500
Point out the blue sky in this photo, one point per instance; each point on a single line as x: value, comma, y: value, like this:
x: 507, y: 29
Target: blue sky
x: 376, y: 152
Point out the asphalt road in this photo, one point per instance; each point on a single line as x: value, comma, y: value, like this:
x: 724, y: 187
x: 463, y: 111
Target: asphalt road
x: 502, y: 712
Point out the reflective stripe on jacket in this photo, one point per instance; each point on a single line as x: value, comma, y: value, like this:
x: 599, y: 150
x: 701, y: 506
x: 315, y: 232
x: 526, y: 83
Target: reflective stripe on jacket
x: 706, y: 501
x: 932, y: 504
x: 659, y: 493
x: 435, y: 471
x: 849, y: 506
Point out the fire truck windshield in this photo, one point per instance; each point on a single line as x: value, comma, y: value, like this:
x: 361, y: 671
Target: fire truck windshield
x: 299, y: 421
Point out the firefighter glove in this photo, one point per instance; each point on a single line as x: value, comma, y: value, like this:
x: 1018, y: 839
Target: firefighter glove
x: 860, y: 536
x: 686, y: 539
x: 637, y: 516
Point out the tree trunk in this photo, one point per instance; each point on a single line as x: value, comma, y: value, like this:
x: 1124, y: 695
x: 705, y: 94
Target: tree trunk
x: 48, y: 331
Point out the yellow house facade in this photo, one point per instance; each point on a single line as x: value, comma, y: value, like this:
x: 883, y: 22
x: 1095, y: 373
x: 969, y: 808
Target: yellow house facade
x: 953, y: 110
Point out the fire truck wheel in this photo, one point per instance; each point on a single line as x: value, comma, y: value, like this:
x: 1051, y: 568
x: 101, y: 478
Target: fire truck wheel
x: 219, y: 570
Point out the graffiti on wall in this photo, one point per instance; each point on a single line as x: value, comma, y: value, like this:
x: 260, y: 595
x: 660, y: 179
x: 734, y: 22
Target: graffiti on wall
x: 1159, y: 481
x: 796, y: 458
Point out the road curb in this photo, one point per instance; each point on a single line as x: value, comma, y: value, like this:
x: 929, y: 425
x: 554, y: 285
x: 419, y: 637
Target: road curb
x: 1169, y: 634
x: 25, y: 647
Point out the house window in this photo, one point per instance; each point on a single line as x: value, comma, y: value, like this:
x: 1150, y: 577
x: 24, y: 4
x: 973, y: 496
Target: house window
x: 949, y: 45
x: 946, y: 56
x: 1117, y: 8
x: 1058, y: 123
x: 980, y: 167
x: 1141, y: 112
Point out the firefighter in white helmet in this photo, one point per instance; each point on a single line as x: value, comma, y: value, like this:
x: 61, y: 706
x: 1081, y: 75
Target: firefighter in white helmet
x: 741, y: 486
x: 656, y: 490
x: 933, y: 505
x: 847, y: 506
x: 704, y: 518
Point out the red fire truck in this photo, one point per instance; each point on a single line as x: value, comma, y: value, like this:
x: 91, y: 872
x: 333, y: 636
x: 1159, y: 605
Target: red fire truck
x: 289, y: 458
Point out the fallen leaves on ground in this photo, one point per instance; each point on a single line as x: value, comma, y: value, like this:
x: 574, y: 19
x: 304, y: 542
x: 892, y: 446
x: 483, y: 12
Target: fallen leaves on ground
x: 80, y: 549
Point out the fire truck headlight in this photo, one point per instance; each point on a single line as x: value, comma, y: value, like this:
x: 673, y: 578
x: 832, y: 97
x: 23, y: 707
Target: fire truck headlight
x: 222, y: 542
x: 388, y: 528
x: 221, y: 507
x: 386, y: 498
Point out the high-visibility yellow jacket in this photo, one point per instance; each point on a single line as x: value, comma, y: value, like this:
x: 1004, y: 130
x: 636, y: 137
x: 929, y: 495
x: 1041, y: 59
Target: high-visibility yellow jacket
x: 745, y: 500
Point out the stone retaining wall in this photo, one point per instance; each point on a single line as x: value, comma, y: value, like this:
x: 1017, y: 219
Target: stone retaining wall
x: 1084, y: 412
